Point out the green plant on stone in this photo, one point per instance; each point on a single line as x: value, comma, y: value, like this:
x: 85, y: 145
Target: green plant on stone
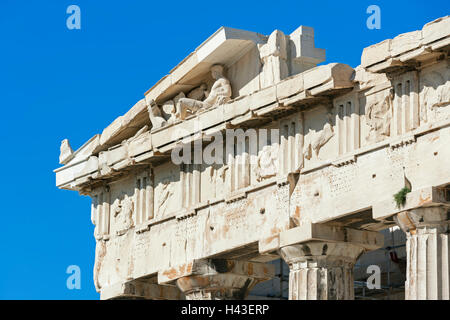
x: 400, y: 197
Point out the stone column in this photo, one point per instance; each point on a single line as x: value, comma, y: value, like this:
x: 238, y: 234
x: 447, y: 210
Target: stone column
x: 321, y: 259
x: 427, y: 249
x: 217, y: 279
x: 321, y: 270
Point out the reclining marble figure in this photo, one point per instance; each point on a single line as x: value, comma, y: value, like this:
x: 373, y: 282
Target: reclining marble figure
x: 220, y: 94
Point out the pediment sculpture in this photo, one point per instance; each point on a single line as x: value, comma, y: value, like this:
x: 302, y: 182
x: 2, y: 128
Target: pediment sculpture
x: 200, y: 98
x: 220, y: 93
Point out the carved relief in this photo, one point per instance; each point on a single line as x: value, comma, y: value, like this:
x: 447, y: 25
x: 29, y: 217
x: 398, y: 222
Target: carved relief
x: 217, y: 176
x: 273, y: 56
x: 435, y: 94
x: 220, y: 94
x: 378, y: 118
x: 123, y: 215
x: 267, y: 162
x: 246, y: 219
x: 165, y: 194
x: 316, y: 140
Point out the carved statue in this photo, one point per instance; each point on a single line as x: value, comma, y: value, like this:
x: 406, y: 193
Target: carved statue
x: 378, y: 118
x: 267, y: 162
x: 66, y: 152
x: 124, y: 215
x: 165, y: 114
x: 156, y: 117
x: 168, y: 109
x: 273, y: 56
x: 220, y: 94
x: 199, y: 93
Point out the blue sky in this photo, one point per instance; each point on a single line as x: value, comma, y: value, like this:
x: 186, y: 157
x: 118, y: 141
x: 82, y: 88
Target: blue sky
x: 57, y: 83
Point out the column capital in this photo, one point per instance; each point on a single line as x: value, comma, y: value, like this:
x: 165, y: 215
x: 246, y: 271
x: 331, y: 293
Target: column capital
x: 436, y: 217
x: 321, y: 259
x: 368, y: 240
x: 318, y: 254
x: 141, y: 289
x: 213, y: 279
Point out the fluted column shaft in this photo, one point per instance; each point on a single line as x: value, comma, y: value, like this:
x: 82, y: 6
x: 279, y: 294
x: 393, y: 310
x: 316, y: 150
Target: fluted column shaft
x: 427, y: 249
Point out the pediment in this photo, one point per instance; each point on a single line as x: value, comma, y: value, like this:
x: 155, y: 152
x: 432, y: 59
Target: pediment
x: 224, y: 47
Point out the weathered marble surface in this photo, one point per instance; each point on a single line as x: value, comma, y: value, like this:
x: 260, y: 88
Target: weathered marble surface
x: 347, y: 141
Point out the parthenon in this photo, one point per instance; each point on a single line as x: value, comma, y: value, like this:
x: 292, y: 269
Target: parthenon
x: 252, y: 154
